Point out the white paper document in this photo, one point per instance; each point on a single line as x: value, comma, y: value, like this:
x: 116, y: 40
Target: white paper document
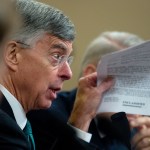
x: 131, y: 71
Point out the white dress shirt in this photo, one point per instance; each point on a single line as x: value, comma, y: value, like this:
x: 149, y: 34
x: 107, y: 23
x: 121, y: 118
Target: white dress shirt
x: 82, y: 134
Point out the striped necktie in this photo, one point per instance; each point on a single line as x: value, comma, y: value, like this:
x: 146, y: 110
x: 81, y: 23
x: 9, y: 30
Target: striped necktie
x: 28, y: 132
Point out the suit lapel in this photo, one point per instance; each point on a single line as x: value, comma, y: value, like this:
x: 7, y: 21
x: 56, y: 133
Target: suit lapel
x: 4, y: 105
x: 8, y: 121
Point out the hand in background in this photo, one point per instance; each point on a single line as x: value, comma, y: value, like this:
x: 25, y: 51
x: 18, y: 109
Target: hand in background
x: 141, y: 140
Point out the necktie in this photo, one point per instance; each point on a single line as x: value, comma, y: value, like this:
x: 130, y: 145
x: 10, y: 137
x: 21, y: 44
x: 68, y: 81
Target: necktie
x: 28, y: 132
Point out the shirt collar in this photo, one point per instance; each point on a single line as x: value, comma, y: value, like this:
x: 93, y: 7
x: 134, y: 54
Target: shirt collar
x: 17, y: 109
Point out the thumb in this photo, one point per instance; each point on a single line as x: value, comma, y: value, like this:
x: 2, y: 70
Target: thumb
x: 106, y: 84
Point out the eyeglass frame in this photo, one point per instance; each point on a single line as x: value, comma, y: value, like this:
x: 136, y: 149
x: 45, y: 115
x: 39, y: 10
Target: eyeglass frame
x: 60, y: 61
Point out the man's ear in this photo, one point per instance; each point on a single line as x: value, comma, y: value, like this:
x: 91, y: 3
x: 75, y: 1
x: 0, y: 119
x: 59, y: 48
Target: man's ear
x: 11, y: 55
x: 90, y: 68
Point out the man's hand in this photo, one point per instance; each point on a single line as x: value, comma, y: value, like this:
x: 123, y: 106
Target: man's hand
x: 87, y: 101
x: 141, y: 140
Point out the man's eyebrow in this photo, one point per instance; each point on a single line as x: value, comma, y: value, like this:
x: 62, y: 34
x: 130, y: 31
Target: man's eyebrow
x: 60, y: 46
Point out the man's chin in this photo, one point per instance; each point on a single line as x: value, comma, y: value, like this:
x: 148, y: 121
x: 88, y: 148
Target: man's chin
x: 45, y: 105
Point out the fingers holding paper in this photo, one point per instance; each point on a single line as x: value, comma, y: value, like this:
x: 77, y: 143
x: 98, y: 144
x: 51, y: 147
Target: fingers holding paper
x: 88, y: 99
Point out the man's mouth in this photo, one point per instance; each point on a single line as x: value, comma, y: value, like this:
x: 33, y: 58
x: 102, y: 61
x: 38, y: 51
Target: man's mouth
x: 53, y: 92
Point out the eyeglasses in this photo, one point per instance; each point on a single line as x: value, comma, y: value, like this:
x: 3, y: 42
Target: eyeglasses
x: 24, y: 44
x: 55, y: 60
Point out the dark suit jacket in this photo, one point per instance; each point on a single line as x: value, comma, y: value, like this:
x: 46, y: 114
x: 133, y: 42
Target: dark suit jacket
x: 51, y: 124
x: 11, y: 135
x: 51, y: 131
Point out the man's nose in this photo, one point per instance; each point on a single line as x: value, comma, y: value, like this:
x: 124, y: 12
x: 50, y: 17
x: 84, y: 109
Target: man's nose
x: 65, y: 71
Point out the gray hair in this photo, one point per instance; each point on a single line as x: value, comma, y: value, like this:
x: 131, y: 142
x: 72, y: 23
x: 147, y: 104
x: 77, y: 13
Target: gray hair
x: 108, y: 42
x: 38, y: 18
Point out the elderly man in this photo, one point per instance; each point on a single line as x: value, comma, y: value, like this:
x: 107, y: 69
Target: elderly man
x: 34, y: 64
